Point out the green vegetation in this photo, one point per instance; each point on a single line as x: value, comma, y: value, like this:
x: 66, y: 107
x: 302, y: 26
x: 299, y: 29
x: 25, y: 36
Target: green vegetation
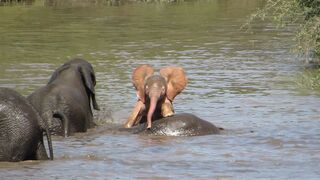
x: 309, y: 79
x: 306, y: 13
x: 81, y: 2
x: 14, y: 2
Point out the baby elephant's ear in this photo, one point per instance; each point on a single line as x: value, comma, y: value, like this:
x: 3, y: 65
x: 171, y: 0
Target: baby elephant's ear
x: 176, y: 80
x: 139, y: 76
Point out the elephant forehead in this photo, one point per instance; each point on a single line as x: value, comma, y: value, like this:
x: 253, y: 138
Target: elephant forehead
x: 156, y: 81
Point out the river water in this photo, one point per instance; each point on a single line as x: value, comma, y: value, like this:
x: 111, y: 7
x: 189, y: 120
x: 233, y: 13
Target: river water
x: 241, y: 81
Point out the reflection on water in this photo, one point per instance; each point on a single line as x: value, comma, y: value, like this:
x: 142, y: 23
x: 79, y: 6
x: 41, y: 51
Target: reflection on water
x: 241, y: 81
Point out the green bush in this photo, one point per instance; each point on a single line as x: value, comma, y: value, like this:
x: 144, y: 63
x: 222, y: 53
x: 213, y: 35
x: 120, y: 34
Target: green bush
x: 305, y: 13
x: 311, y: 8
x: 309, y: 79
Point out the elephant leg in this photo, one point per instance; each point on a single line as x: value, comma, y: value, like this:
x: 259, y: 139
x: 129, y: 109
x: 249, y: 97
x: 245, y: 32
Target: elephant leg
x: 135, y: 115
x: 91, y: 123
x: 41, y: 153
x: 65, y: 122
x: 167, y: 108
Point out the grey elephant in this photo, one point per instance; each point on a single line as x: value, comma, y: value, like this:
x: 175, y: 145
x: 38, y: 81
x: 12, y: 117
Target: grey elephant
x: 155, y: 93
x: 21, y: 129
x: 65, y: 102
x: 183, y: 124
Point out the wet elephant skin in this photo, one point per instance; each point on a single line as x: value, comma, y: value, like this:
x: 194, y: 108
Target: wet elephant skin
x: 183, y: 124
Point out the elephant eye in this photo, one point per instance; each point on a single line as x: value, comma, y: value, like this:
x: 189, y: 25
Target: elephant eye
x: 163, y: 90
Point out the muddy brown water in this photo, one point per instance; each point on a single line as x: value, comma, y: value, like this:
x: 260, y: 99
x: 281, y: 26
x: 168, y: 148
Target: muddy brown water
x: 243, y: 82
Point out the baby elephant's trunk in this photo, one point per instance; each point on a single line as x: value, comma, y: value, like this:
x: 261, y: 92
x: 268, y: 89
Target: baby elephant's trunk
x: 153, y: 104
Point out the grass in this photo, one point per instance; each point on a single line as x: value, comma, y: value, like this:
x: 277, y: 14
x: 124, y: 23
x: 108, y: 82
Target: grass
x: 309, y: 79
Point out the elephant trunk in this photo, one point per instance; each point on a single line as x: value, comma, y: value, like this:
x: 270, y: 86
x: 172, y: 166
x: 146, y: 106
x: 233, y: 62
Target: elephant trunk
x: 153, y: 105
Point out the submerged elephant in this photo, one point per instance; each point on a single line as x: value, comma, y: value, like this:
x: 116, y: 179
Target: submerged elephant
x: 155, y: 93
x: 21, y: 129
x: 184, y: 124
x: 65, y: 102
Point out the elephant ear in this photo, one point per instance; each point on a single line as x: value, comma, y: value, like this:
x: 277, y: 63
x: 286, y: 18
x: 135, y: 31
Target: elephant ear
x: 139, y: 75
x: 89, y: 80
x: 176, y: 80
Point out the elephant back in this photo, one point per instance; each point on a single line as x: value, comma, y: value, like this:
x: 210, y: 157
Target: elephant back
x: 184, y: 124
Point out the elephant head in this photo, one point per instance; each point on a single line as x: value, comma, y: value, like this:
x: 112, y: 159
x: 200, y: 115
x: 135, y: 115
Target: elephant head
x: 155, y: 92
x: 180, y: 124
x: 87, y: 76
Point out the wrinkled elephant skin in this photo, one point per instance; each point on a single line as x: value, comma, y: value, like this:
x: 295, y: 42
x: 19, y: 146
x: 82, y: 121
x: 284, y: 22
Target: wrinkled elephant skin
x: 65, y: 102
x: 21, y: 129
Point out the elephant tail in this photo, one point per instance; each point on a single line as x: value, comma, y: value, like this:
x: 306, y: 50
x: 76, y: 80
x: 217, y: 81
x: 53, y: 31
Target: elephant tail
x: 45, y: 128
x: 49, y: 143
